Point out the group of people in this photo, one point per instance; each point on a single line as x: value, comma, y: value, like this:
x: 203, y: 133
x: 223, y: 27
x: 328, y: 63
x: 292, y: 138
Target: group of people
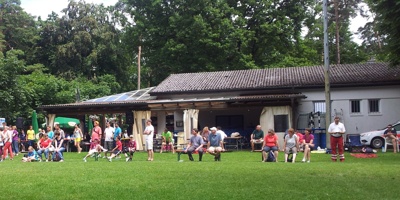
x: 295, y: 141
x: 112, y: 143
x: 49, y: 143
x: 212, y: 139
x: 52, y: 142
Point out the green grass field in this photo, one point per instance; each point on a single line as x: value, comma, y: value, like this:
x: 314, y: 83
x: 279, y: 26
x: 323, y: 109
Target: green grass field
x: 240, y: 175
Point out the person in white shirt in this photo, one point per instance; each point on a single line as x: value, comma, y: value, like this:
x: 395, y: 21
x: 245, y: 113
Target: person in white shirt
x: 222, y: 133
x: 7, y: 138
x: 336, y: 130
x: 149, y: 134
x: 108, y: 138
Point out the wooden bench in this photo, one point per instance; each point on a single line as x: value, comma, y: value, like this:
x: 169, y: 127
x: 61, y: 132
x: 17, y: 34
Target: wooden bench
x: 181, y: 151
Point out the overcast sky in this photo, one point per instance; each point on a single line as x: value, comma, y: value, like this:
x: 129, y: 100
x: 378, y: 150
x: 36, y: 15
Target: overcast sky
x: 45, y: 7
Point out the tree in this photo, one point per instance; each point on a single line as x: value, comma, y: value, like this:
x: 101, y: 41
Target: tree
x: 17, y: 29
x: 208, y: 35
x: 83, y: 42
x: 385, y: 30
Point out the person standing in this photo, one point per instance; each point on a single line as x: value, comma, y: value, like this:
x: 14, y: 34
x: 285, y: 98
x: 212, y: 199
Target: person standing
x: 195, y: 144
x: 78, y: 138
x: 22, y: 140
x: 96, y: 131
x: 50, y: 133
x: 117, y: 132
x: 15, y: 143
x: 256, y: 137
x: 336, y: 130
x: 30, y: 133
x: 7, y: 139
x: 221, y: 133
x: 205, y: 133
x: 149, y: 134
x: 108, y: 139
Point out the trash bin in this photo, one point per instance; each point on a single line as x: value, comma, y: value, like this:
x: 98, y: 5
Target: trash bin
x: 316, y: 140
x: 322, y: 140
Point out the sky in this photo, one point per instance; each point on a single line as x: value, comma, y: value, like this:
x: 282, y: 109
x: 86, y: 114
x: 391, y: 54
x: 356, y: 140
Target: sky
x: 45, y: 7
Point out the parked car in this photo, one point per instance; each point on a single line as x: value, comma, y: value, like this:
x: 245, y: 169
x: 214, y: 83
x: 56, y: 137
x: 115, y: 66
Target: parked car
x: 375, y: 138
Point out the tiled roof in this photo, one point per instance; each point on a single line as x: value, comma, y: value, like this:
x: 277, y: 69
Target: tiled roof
x: 272, y: 78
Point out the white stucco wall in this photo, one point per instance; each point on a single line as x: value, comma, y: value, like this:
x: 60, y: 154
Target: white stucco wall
x: 389, y: 106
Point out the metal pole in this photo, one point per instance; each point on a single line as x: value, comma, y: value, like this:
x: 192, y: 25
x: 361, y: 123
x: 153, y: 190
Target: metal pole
x: 140, y: 51
x: 326, y: 70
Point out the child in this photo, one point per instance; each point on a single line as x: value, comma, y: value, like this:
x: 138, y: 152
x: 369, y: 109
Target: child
x: 117, y: 150
x: 131, y: 149
x: 32, y: 155
x: 94, y: 148
x: 22, y: 139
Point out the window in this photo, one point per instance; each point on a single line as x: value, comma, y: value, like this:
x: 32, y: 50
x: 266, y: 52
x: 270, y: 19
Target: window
x: 373, y: 105
x: 319, y: 106
x: 281, y: 123
x: 355, y: 106
x: 230, y: 121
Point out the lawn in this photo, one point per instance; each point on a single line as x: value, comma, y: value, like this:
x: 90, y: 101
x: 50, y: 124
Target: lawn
x: 240, y: 175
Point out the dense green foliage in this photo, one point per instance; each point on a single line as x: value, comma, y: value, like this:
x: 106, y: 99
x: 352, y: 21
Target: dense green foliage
x: 93, y: 49
x: 382, y: 34
x: 239, y: 175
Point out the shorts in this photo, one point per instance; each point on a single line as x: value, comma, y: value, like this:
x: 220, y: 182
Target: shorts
x: 117, y: 152
x: 267, y: 148
x: 311, y: 147
x: 108, y: 145
x: 92, y: 151
x: 213, y: 149
x: 257, y: 141
x: 148, y: 145
x: 294, y: 150
x: 77, y: 139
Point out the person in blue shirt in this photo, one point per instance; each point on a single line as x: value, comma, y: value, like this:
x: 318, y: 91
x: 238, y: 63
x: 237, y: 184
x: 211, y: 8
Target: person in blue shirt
x: 32, y: 155
x: 117, y: 131
x: 50, y: 133
x: 215, y: 144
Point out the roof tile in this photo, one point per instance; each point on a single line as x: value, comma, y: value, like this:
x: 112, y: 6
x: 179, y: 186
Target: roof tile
x: 345, y: 74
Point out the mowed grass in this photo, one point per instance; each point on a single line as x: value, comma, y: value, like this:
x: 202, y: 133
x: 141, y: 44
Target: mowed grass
x: 240, y: 175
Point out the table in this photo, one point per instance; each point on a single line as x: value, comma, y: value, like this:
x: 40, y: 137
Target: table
x: 234, y: 142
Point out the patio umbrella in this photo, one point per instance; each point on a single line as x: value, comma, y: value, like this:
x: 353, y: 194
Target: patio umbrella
x: 90, y: 126
x: 35, y: 124
x: 66, y: 122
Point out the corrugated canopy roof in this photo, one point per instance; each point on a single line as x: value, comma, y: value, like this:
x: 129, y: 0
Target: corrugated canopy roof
x: 136, y: 95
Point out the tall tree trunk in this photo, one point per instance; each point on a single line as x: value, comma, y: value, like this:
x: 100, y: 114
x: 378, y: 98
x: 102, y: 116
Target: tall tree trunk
x: 337, y: 31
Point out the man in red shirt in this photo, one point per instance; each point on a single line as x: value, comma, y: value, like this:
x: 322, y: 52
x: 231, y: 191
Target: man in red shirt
x: 117, y: 150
